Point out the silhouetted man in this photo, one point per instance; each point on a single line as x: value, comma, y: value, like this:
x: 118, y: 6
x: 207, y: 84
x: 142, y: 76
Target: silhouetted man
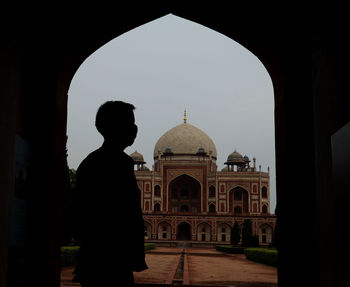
x: 108, y: 207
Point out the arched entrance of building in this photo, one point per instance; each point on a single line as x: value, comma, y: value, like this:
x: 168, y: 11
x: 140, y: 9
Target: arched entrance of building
x: 238, y: 200
x: 185, y: 195
x: 184, y: 231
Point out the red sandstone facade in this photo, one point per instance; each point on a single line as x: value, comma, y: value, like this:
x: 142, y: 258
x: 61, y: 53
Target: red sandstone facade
x: 185, y: 197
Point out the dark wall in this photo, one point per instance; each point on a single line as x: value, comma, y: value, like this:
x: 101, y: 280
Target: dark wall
x: 41, y: 54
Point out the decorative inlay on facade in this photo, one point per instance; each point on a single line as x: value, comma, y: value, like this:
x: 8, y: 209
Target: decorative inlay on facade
x: 195, y: 173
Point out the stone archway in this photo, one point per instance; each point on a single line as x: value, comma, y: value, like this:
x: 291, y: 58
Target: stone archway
x: 184, y: 231
x: 283, y: 59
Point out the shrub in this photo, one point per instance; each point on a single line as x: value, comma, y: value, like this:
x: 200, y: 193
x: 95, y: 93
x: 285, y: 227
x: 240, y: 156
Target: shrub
x: 262, y: 255
x: 230, y: 249
x: 149, y: 246
x: 69, y: 255
x: 235, y: 234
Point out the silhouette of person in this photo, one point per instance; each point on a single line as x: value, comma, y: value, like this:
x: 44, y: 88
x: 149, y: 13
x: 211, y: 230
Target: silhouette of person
x: 108, y: 214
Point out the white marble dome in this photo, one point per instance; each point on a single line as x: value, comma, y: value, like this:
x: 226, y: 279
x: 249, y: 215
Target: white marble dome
x: 185, y: 139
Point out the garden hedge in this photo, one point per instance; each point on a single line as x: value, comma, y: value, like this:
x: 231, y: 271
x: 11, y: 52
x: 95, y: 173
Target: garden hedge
x: 69, y: 255
x: 149, y: 246
x: 230, y: 249
x: 262, y: 255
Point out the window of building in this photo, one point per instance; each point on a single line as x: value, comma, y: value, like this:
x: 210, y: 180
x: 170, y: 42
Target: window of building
x: 184, y: 193
x: 264, y: 192
x: 164, y: 235
x: 264, y: 209
x: 164, y: 228
x: 194, y: 194
x: 203, y: 237
x: 184, y: 208
x: 237, y: 195
x: 211, y: 208
x: 212, y: 191
x: 223, y: 237
x: 223, y: 230
x: 157, y: 207
x: 238, y: 210
x: 157, y: 191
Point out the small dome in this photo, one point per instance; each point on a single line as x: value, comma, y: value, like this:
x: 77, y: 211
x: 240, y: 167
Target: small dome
x: 144, y: 168
x: 235, y: 156
x: 246, y: 158
x: 137, y: 157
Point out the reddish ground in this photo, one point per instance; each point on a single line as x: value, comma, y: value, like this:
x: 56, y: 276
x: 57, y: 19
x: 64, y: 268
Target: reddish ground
x: 207, y: 267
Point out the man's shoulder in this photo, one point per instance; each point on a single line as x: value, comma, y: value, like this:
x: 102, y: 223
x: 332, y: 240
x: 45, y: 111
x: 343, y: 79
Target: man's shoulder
x: 90, y: 160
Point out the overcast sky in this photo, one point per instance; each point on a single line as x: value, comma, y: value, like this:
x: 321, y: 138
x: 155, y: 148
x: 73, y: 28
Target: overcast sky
x: 169, y: 65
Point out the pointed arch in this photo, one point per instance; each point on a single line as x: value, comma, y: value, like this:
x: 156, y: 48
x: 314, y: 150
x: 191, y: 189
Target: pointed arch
x: 184, y: 194
x: 147, y: 230
x: 238, y: 200
x: 184, y: 231
x: 204, y: 231
x: 223, y: 232
x: 164, y: 230
x: 265, y: 234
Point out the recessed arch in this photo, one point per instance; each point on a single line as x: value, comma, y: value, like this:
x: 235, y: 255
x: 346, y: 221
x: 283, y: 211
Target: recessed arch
x: 264, y: 192
x: 204, y: 231
x: 223, y: 232
x: 164, y: 230
x: 265, y: 233
x: 185, y: 194
x: 157, y: 190
x: 147, y: 229
x: 212, y: 191
x: 184, y: 231
x: 238, y: 200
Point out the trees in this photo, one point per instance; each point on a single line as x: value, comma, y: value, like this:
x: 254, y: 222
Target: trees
x: 70, y: 179
x: 235, y: 234
x: 248, y: 239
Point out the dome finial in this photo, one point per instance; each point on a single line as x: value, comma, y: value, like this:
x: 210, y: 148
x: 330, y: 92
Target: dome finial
x: 185, y: 118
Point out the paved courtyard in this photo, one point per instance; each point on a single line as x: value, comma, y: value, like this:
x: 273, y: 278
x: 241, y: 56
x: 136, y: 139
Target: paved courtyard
x: 202, y: 267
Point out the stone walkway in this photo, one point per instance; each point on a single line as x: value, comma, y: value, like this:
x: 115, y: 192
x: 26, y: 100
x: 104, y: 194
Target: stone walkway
x: 200, y: 267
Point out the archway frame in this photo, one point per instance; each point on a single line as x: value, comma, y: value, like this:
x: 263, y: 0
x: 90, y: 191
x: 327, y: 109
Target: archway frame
x: 85, y: 39
x: 196, y: 18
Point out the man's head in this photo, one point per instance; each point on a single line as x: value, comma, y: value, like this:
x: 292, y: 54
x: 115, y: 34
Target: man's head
x: 115, y: 121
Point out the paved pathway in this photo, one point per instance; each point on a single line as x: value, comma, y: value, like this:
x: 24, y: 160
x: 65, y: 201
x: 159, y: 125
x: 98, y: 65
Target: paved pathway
x: 202, y: 267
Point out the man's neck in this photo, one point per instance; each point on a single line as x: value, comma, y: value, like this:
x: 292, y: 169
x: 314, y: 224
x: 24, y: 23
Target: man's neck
x: 110, y: 145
